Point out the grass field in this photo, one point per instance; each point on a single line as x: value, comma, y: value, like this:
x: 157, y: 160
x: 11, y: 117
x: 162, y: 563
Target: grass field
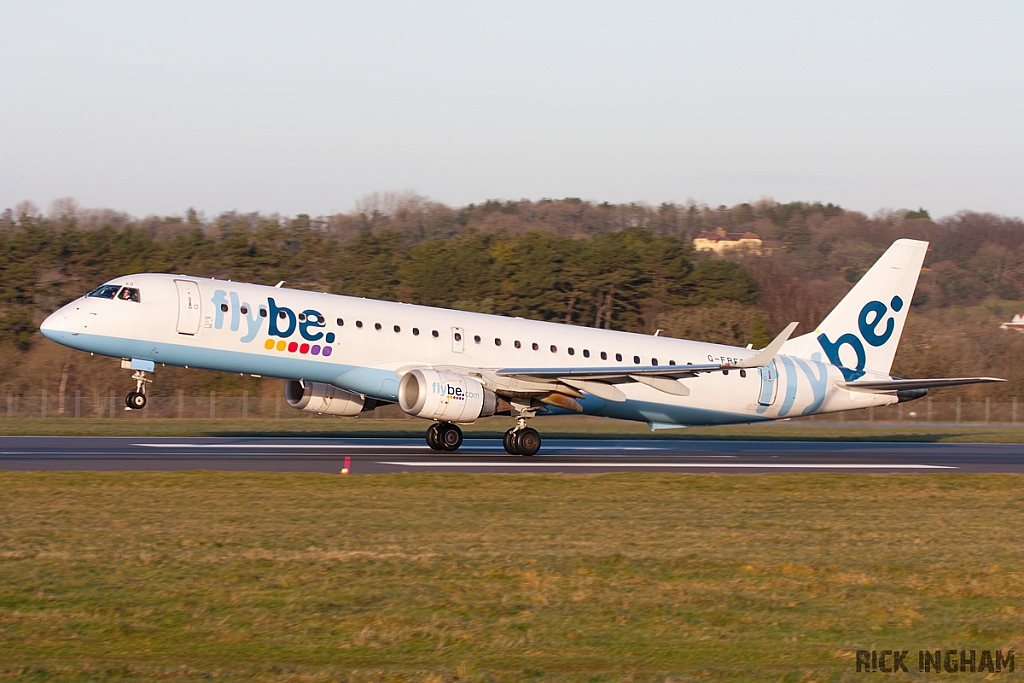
x: 437, y: 577
x: 493, y: 427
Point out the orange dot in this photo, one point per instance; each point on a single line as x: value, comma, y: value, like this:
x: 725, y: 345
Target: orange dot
x: 269, y: 344
x: 281, y: 344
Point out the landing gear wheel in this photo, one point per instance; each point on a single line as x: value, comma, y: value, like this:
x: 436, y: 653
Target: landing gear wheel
x: 509, y: 442
x: 434, y: 437
x: 135, y: 400
x: 450, y: 437
x: 527, y: 441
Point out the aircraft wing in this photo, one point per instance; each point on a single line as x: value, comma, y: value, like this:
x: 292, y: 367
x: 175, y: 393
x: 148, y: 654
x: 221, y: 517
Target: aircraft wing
x: 621, y: 373
x: 875, y: 386
x: 628, y: 373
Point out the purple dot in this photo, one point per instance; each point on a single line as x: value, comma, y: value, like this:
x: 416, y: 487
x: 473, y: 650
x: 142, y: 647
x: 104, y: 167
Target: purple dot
x: 327, y: 351
x: 315, y: 350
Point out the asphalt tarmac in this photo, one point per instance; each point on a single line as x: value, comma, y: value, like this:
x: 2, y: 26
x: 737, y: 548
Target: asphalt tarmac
x: 576, y: 456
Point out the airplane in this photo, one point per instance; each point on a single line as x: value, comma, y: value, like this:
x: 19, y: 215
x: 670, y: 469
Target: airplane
x: 341, y: 355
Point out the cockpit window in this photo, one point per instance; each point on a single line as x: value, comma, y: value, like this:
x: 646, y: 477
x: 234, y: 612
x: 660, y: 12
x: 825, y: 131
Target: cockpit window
x: 129, y: 294
x: 105, y: 292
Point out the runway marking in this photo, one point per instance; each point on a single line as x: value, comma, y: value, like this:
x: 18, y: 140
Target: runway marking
x: 752, y: 465
x: 278, y: 446
x: 414, y: 447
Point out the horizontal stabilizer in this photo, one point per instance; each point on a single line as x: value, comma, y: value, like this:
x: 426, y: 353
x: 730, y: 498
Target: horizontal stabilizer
x: 874, y: 386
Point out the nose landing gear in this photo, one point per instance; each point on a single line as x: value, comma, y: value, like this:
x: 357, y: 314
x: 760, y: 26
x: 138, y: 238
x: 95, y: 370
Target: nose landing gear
x: 136, y: 400
x: 444, y: 436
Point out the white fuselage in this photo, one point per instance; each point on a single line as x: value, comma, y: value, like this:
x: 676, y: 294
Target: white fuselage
x: 364, y: 346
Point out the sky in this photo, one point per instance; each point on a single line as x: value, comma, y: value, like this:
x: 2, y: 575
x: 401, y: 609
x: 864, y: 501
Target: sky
x: 304, y: 107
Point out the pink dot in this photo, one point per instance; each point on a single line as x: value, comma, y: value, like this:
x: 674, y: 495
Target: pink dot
x: 304, y: 348
x: 327, y: 351
x: 292, y: 346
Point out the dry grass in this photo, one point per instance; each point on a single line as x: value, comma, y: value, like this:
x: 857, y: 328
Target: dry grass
x: 644, y: 577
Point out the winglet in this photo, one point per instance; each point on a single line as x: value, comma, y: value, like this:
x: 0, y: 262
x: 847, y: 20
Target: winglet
x: 765, y: 355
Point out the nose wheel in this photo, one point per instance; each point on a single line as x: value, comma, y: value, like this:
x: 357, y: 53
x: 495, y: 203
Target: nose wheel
x: 136, y: 400
x: 444, y: 436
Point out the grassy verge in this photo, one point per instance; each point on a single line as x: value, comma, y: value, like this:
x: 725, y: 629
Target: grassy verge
x: 550, y: 427
x: 187, y: 576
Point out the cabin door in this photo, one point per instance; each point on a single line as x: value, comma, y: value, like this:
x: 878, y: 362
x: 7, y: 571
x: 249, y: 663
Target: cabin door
x: 189, y: 311
x: 769, y: 384
x: 458, y: 340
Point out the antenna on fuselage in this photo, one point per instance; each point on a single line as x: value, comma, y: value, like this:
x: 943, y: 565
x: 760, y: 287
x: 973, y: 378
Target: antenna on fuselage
x: 278, y: 285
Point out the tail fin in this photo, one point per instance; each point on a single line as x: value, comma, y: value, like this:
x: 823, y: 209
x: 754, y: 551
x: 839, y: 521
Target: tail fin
x: 863, y: 331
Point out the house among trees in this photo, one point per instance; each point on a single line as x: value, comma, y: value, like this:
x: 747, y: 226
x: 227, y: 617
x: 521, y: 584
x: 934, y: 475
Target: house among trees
x: 1016, y: 324
x: 720, y: 241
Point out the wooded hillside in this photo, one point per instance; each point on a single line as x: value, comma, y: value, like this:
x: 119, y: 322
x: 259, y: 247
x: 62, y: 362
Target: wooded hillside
x: 627, y: 267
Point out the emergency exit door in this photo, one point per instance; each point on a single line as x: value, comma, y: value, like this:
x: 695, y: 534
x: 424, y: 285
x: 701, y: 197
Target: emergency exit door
x: 458, y: 340
x: 769, y: 384
x: 189, y: 308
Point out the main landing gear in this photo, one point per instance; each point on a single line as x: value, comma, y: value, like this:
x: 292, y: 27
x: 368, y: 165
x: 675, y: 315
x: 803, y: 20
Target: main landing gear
x: 444, y: 436
x: 521, y: 440
x: 136, y: 400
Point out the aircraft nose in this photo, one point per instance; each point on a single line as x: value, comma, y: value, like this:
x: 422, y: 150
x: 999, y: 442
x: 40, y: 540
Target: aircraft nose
x: 55, y: 325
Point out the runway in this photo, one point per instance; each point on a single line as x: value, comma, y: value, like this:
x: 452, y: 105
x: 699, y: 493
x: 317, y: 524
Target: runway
x: 576, y: 456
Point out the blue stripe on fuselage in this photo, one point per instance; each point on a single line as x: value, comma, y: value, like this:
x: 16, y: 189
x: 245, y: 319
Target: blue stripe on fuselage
x: 373, y: 382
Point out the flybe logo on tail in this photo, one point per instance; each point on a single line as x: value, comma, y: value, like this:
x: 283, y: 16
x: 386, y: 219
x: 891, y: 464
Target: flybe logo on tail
x: 875, y: 328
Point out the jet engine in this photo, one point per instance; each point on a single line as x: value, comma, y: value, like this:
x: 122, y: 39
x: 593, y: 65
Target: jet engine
x: 325, y: 399
x: 445, y: 396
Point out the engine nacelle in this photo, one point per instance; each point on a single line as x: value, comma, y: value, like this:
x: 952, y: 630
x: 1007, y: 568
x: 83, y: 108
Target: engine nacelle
x: 446, y: 396
x: 326, y: 399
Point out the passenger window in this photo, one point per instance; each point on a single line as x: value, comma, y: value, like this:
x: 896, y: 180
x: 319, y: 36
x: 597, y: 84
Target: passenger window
x: 282, y: 315
x: 129, y: 294
x: 104, y: 292
x: 302, y: 317
x: 497, y: 342
x: 376, y: 326
x: 435, y: 334
x: 586, y: 354
x: 476, y: 338
x: 572, y: 351
x: 671, y: 362
x: 415, y: 331
x: 224, y: 307
x: 359, y: 323
x: 263, y: 313
x: 604, y: 356
x: 654, y: 361
x: 536, y: 346
x: 397, y: 329
x: 636, y: 360
x: 245, y: 310
x: 554, y: 349
x: 341, y: 323
x: 618, y: 357
x: 517, y: 344
x: 458, y: 336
